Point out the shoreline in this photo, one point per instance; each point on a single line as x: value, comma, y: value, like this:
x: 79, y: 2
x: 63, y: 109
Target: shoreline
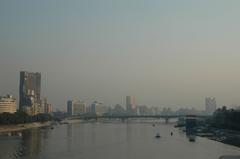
x: 225, y: 136
x: 20, y: 127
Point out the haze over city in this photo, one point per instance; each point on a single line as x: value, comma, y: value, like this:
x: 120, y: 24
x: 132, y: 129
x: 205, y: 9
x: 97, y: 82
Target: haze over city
x: 166, y: 54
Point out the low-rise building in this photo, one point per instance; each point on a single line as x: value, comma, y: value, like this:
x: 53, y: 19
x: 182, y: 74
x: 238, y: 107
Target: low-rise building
x: 7, y: 104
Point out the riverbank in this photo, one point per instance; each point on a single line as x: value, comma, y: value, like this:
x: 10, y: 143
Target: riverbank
x: 20, y: 127
x: 226, y: 136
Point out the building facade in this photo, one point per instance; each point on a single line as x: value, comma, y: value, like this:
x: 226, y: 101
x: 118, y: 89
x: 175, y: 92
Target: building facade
x: 29, y: 92
x: 118, y: 110
x: 46, y: 106
x: 7, y: 104
x: 131, y: 105
x: 29, y: 88
x: 76, y: 107
x: 97, y: 108
x: 210, y: 105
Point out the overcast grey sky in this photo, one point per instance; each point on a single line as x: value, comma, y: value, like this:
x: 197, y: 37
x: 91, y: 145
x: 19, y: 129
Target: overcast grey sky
x: 166, y: 53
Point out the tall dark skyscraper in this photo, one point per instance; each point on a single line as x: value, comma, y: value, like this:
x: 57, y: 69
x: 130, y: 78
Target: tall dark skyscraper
x: 29, y: 89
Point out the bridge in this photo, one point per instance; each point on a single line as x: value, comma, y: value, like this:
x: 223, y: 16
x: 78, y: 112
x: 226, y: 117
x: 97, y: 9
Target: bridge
x: 125, y: 117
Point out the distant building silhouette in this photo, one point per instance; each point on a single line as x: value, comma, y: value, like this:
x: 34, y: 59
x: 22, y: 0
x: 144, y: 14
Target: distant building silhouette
x: 118, y: 110
x: 76, y: 107
x: 131, y: 105
x: 211, y: 105
x: 145, y: 110
x: 97, y: 108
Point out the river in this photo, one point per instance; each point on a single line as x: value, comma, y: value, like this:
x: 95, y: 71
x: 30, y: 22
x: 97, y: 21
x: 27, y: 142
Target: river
x: 111, y: 140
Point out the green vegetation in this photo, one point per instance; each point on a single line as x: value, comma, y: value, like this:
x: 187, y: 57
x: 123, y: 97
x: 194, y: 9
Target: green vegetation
x: 226, y: 119
x: 21, y: 118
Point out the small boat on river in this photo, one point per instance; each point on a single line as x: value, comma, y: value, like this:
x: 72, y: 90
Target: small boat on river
x: 157, y: 135
x: 192, y: 138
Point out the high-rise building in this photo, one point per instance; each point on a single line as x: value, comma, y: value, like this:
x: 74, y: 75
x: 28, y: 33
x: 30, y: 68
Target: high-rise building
x: 69, y: 107
x: 76, y: 107
x: 97, y: 108
x: 49, y: 108
x: 79, y: 107
x: 29, y: 92
x: 46, y: 106
x: 131, y: 104
x: 7, y: 104
x: 29, y: 89
x: 211, y: 106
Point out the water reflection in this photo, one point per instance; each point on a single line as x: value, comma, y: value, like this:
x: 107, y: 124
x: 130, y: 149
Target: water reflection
x: 93, y: 133
x: 128, y: 132
x: 69, y: 137
x: 30, y: 144
x: 118, y: 140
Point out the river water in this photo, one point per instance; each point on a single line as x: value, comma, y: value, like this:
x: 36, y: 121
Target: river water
x: 112, y: 140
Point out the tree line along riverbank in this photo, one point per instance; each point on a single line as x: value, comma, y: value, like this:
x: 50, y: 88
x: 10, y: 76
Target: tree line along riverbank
x: 20, y: 121
x: 222, y: 126
x: 225, y: 124
x: 23, y: 118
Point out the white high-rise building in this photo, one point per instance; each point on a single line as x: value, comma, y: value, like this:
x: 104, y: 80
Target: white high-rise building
x: 211, y: 105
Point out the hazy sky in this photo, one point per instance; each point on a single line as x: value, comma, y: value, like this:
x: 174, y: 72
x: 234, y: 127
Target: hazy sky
x: 166, y: 53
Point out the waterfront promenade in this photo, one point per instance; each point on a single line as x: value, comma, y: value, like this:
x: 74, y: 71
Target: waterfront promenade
x: 20, y: 127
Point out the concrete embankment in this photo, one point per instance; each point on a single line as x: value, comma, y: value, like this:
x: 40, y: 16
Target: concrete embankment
x: 20, y: 127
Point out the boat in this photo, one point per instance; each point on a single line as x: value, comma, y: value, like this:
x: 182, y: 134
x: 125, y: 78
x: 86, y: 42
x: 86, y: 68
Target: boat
x: 157, y: 135
x: 192, y: 138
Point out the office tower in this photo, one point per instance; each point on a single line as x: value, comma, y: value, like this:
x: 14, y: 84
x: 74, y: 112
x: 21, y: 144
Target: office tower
x: 76, y: 107
x: 46, y: 106
x: 131, y: 104
x: 69, y: 107
x: 80, y: 107
x: 97, y: 108
x: 29, y: 92
x: 7, y: 104
x: 211, y: 106
x: 49, y: 108
x: 30, y: 88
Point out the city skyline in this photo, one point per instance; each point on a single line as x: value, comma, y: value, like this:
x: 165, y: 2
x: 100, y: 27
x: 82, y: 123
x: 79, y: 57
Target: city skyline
x: 32, y: 79
x: 126, y: 105
x: 166, y: 54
